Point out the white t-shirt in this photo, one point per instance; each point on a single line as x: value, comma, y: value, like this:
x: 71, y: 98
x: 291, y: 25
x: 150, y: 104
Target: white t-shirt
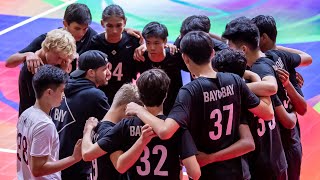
x: 36, y: 136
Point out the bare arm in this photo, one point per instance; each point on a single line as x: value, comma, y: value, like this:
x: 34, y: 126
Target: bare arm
x: 192, y: 167
x: 122, y: 161
x: 306, y: 59
x: 288, y: 120
x: 16, y: 59
x: 164, y: 129
x: 32, y: 59
x: 264, y: 110
x: 267, y: 87
x: 244, y: 145
x: 251, y: 76
x: 90, y: 151
x: 41, y: 166
x: 298, y: 102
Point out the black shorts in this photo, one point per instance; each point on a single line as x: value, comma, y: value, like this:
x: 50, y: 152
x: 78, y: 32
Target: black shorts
x: 294, y: 157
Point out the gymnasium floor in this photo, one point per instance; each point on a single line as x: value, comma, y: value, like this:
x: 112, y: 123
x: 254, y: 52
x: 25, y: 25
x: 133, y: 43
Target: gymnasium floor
x: 298, y: 27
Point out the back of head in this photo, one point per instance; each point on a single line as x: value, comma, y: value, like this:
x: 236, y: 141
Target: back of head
x: 267, y: 25
x: 79, y: 13
x: 60, y: 41
x: 153, y: 86
x: 198, y: 46
x: 242, y: 32
x: 156, y: 30
x: 195, y: 23
x: 113, y: 10
x: 241, y: 19
x: 229, y: 60
x: 126, y: 94
x: 48, y: 76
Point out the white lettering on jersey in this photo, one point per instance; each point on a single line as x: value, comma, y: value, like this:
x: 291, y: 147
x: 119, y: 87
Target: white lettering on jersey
x: 218, y: 94
x: 278, y: 64
x: 135, y: 130
x: 59, y: 115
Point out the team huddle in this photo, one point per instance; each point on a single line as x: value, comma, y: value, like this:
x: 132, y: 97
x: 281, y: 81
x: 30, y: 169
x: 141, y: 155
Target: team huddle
x: 81, y: 117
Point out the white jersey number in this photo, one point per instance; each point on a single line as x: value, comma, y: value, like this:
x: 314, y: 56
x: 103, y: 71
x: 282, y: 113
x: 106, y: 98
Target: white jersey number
x: 216, y: 114
x: 117, y: 72
x: 262, y: 130
x: 144, y: 159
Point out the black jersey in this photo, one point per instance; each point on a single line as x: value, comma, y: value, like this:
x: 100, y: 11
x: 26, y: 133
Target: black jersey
x: 121, y: 62
x: 102, y: 167
x: 26, y: 94
x: 268, y: 159
x: 82, y: 45
x: 210, y: 108
x: 160, y: 159
x: 288, y: 61
x: 172, y: 65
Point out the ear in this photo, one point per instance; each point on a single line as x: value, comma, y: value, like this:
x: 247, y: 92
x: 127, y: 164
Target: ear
x: 91, y: 73
x: 125, y: 21
x: 65, y: 24
x: 244, y: 48
x: 102, y: 23
x: 186, y: 59
x: 212, y: 54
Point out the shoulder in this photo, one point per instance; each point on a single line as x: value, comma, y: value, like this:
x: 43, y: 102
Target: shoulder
x: 126, y: 38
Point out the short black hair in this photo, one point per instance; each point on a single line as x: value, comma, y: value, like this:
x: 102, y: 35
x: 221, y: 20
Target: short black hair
x: 153, y: 86
x: 48, y: 76
x: 195, y: 23
x: 113, y: 10
x: 229, y: 60
x: 267, y: 25
x: 155, y: 29
x: 79, y: 13
x: 242, y: 32
x: 198, y: 46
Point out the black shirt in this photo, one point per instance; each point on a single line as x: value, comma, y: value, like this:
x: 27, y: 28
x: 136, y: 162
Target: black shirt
x: 160, y: 159
x: 210, y: 108
x: 264, y: 67
x: 287, y: 61
x: 82, y: 45
x: 172, y: 65
x: 102, y: 167
x: 120, y: 57
x: 268, y: 159
x: 26, y: 94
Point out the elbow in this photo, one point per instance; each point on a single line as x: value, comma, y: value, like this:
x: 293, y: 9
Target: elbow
x: 302, y: 110
x: 268, y: 115
x: 37, y: 173
x: 121, y: 170
x: 164, y: 134
x: 273, y: 89
x: 195, y: 175
x: 290, y: 125
x: 251, y: 145
x: 86, y: 157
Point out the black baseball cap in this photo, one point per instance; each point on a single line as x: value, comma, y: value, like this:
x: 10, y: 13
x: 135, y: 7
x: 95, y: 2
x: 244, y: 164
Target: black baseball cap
x: 92, y: 59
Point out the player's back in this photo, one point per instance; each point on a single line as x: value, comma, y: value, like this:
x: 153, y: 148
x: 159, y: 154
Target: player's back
x: 214, y: 119
x: 33, y: 125
x: 161, y: 158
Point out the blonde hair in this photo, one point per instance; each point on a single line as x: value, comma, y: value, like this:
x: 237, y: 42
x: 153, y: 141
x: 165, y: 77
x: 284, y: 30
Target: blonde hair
x: 61, y: 41
x: 126, y: 94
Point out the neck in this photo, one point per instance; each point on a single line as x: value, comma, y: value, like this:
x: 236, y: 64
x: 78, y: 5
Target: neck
x: 156, y: 110
x: 253, y: 56
x: 43, y: 105
x: 114, y: 114
x: 42, y: 55
x: 111, y: 39
x: 157, y: 57
x: 205, y: 70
